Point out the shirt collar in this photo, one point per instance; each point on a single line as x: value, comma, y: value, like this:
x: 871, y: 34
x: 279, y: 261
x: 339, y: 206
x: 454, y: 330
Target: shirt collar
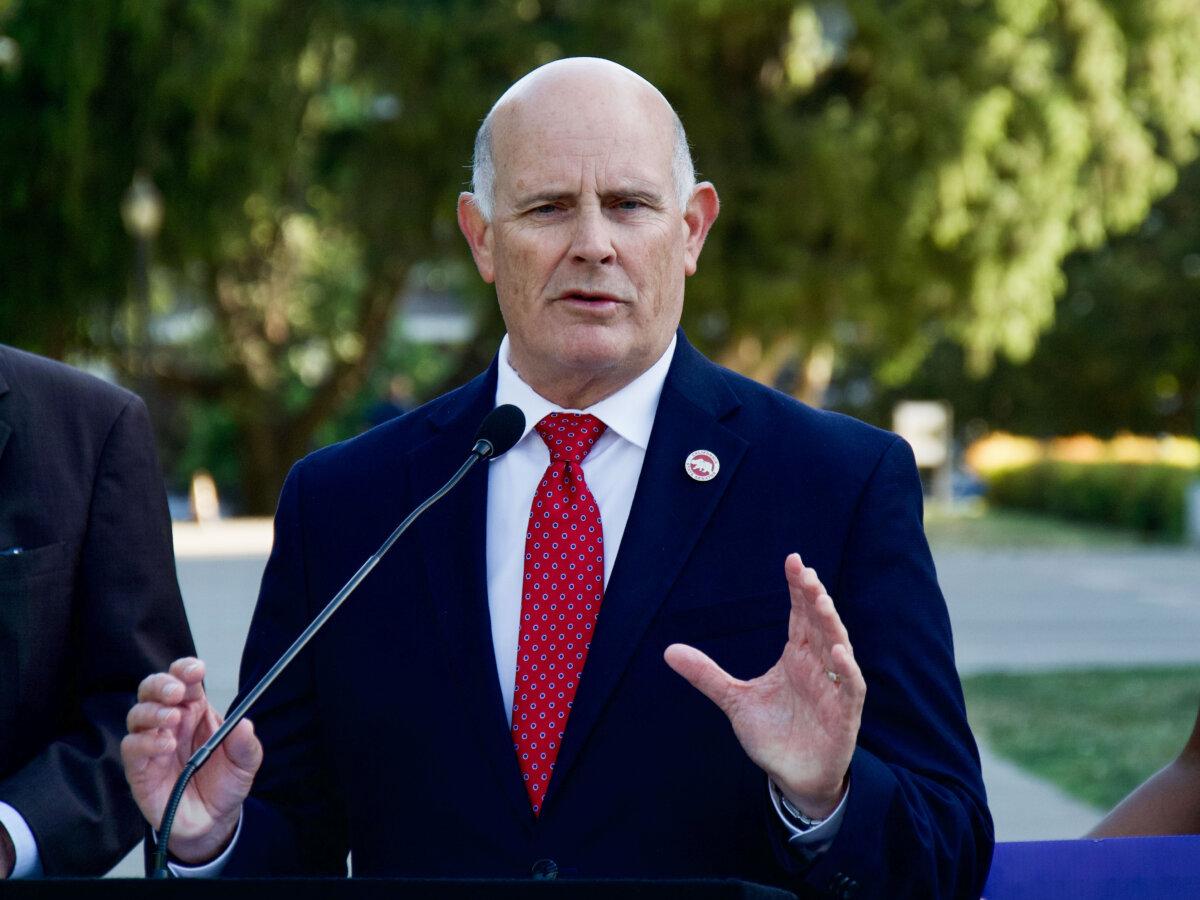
x: 629, y: 412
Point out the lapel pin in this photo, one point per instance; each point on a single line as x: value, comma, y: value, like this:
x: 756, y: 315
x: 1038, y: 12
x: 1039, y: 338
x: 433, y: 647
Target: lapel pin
x: 702, y: 465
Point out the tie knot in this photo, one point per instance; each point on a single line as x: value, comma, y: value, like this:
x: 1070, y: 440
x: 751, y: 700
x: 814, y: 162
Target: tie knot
x: 569, y: 436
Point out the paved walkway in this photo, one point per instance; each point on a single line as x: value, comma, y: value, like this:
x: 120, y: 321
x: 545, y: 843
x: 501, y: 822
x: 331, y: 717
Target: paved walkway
x: 1039, y: 609
x: 1025, y: 808
x: 1029, y: 609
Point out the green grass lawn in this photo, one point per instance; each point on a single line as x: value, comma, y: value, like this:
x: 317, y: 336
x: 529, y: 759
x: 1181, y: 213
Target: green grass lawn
x: 977, y: 525
x: 1095, y: 733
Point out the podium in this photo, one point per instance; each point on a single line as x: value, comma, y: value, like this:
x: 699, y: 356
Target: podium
x: 1145, y: 868
x: 385, y: 889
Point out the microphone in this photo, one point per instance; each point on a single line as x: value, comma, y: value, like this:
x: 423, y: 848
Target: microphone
x: 499, y: 431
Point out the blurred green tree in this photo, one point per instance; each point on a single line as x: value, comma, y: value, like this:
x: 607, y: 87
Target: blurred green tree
x: 308, y: 154
x: 1123, y: 353
x: 904, y: 171
x: 893, y: 172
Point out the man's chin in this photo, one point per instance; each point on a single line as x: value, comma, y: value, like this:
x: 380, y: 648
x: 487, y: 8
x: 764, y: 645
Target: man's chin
x: 596, y: 349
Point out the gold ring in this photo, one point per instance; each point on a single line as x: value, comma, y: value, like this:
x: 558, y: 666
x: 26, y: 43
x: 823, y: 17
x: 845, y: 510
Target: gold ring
x: 833, y: 676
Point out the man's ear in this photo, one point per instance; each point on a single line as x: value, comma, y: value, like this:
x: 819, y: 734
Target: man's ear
x: 478, y: 232
x: 701, y: 212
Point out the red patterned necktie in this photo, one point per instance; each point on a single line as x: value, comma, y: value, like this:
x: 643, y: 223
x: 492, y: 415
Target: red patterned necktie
x: 563, y: 587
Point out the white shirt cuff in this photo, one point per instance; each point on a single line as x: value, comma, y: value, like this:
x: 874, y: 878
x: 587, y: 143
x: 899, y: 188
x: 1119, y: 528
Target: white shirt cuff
x: 822, y: 834
x: 26, y: 863
x: 209, y: 869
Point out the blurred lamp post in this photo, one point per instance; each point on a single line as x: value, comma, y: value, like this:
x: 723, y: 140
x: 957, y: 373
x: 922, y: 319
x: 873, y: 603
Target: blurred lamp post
x: 142, y: 212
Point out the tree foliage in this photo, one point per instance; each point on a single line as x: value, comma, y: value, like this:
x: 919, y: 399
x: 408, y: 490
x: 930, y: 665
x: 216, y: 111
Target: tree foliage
x: 892, y: 172
x: 923, y: 169
x: 308, y: 154
x: 1124, y: 350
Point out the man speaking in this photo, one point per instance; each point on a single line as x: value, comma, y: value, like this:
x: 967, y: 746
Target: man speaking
x: 503, y: 695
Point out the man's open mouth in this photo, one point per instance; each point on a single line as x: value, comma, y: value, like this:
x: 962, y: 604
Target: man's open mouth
x: 589, y: 297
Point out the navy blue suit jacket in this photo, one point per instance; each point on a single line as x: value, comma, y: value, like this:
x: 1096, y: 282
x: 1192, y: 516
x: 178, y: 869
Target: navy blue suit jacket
x: 388, y: 738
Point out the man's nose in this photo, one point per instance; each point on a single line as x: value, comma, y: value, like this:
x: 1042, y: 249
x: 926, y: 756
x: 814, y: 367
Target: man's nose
x: 592, y: 243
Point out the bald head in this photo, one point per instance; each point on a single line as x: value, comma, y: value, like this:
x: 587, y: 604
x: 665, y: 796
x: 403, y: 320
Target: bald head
x: 587, y: 219
x: 581, y: 85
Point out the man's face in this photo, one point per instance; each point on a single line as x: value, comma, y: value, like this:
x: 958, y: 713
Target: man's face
x: 587, y: 246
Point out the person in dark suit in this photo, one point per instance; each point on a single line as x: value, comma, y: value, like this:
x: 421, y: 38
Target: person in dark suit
x: 89, y: 606
x: 503, y: 695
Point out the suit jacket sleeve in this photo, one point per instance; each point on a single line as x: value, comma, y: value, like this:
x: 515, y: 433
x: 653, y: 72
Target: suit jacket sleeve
x: 916, y: 822
x: 286, y: 829
x: 127, y: 621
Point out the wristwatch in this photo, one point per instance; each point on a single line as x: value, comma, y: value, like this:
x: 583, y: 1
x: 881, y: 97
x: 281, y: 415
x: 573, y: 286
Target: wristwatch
x: 800, y: 820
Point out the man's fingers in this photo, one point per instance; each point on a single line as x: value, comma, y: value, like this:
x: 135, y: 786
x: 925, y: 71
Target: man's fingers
x: 804, y: 588
x: 850, y: 676
x: 814, y: 617
x: 243, y: 747
x: 146, y: 716
x: 702, y: 673
x: 802, y: 580
x: 137, y: 749
x: 190, y: 671
x: 842, y: 656
x: 827, y: 633
x: 182, y: 682
x: 831, y: 623
x: 161, y: 688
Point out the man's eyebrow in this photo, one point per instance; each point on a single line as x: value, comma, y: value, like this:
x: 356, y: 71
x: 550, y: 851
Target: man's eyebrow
x: 645, y: 195
x: 649, y: 197
x: 541, y: 197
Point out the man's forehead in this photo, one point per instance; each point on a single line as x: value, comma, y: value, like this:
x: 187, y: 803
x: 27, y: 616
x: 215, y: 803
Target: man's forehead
x: 581, y: 120
x: 583, y: 145
x: 583, y: 100
x: 566, y: 167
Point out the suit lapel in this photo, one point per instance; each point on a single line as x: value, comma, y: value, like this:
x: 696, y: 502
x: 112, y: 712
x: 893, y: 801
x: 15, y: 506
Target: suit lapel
x: 669, y: 513
x: 453, y: 536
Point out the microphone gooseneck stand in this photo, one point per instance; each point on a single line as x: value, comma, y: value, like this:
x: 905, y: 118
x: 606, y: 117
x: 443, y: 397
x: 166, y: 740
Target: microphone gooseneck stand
x: 501, y: 429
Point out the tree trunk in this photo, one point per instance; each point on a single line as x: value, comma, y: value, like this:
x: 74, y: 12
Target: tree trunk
x: 270, y: 445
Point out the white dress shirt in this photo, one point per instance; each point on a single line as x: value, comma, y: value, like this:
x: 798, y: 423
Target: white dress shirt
x: 27, y: 863
x: 611, y: 470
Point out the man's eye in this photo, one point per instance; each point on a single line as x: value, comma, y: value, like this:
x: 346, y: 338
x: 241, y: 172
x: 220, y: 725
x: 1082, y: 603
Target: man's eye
x: 630, y: 205
x: 545, y: 209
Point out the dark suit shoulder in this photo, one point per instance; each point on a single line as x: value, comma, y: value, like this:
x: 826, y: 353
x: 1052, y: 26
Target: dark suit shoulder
x: 388, y: 441
x: 47, y: 383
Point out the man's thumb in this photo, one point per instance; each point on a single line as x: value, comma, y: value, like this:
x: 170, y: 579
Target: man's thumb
x: 243, y: 747
x: 701, y: 672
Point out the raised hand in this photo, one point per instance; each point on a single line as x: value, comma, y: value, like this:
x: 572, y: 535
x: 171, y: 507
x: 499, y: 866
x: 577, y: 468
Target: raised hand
x: 170, y: 721
x: 799, y: 720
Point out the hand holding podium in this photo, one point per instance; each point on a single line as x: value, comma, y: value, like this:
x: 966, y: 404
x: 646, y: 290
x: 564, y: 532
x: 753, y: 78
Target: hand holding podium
x: 170, y: 721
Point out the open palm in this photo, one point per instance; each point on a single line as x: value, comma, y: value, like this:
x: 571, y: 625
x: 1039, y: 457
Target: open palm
x: 799, y: 720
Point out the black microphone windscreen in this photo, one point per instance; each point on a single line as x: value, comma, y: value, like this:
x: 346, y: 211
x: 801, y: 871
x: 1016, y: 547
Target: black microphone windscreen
x: 502, y: 428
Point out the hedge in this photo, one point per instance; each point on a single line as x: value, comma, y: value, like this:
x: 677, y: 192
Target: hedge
x: 1148, y: 498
